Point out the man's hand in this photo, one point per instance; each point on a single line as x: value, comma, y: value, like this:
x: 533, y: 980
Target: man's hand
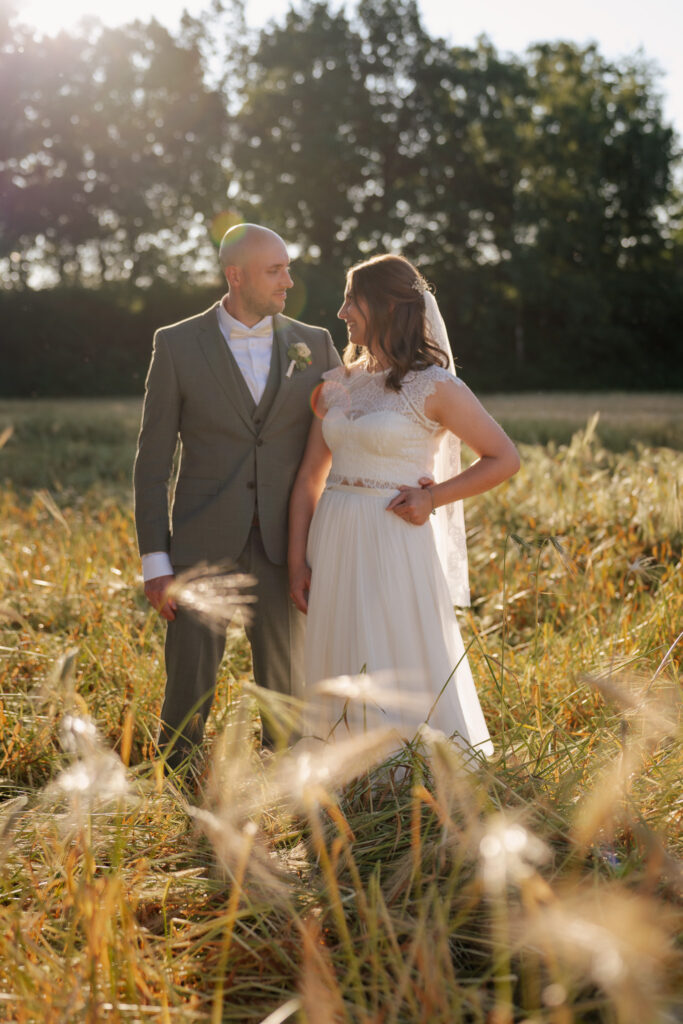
x: 155, y: 592
x: 413, y: 504
x: 299, y: 585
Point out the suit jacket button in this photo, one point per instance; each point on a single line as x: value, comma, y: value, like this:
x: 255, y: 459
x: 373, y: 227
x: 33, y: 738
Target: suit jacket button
x: 259, y: 442
x: 250, y: 485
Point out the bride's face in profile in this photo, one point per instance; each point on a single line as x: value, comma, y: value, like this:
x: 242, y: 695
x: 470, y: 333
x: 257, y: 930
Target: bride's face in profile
x: 354, y: 313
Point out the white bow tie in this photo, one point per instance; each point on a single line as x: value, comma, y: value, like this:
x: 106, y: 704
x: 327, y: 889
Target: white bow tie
x: 260, y: 331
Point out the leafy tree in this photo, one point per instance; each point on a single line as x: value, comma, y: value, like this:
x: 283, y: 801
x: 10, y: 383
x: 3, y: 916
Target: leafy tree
x: 595, y: 180
x: 297, y: 141
x: 535, y: 192
x: 111, y: 159
x: 366, y: 135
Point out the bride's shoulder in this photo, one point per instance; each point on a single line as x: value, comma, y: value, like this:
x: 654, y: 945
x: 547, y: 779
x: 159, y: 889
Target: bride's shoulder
x: 334, y: 388
x: 440, y: 374
x: 431, y: 389
x: 427, y: 380
x: 336, y: 374
x: 342, y: 374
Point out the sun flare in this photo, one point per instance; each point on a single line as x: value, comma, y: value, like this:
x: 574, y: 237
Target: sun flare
x: 51, y: 18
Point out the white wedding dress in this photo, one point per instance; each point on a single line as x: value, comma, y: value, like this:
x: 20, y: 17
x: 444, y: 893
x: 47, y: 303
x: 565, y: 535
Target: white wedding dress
x: 379, y: 601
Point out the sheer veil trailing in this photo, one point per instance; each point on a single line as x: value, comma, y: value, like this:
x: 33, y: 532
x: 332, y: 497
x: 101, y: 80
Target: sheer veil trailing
x: 449, y: 522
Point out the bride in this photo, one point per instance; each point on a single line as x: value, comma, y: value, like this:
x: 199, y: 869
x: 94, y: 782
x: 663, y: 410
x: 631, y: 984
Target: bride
x: 371, y: 560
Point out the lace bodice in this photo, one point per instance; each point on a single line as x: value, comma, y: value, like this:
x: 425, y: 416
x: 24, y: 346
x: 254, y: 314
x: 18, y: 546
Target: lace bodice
x: 379, y: 437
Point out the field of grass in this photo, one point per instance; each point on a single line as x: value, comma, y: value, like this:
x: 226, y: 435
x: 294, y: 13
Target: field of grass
x: 542, y: 887
x: 79, y: 442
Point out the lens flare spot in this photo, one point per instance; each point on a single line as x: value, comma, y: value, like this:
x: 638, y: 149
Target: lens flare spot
x: 335, y: 394
x: 222, y: 222
x: 296, y: 299
x: 316, y: 400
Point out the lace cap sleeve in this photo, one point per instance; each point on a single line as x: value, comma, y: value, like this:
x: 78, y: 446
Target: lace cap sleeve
x: 420, y: 384
x: 334, y: 387
x: 440, y: 373
x: 337, y: 373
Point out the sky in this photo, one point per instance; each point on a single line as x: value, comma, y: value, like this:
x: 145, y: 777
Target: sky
x: 618, y: 26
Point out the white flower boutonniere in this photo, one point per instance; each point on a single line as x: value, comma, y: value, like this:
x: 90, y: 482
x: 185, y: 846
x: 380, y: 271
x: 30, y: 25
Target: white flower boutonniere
x: 299, y: 357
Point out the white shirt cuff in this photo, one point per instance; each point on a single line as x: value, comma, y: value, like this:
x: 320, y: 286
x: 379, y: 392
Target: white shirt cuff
x: 157, y: 563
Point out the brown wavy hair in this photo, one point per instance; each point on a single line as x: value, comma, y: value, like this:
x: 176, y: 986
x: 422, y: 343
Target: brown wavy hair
x: 392, y: 289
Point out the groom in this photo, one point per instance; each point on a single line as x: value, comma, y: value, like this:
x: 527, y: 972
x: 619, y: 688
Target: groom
x: 234, y: 385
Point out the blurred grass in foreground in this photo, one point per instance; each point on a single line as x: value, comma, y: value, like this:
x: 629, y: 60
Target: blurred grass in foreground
x: 545, y: 887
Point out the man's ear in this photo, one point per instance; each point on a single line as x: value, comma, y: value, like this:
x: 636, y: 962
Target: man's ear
x: 233, y: 275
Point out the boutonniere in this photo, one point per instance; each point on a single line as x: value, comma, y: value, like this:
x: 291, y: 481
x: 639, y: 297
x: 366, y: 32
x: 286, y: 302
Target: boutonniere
x: 299, y: 356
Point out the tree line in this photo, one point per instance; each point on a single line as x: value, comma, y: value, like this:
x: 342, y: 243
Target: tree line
x: 536, y: 192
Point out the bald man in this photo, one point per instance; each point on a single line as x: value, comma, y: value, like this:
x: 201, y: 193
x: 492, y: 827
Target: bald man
x: 233, y: 384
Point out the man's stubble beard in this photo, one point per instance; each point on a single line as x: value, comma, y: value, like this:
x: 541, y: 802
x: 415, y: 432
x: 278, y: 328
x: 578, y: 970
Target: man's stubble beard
x: 255, y: 306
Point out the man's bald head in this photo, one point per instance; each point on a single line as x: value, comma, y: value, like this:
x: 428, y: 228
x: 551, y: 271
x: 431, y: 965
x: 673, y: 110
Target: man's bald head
x: 242, y: 242
x: 255, y: 262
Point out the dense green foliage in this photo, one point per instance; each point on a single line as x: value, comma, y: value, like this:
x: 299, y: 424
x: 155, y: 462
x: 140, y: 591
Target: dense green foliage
x: 536, y: 192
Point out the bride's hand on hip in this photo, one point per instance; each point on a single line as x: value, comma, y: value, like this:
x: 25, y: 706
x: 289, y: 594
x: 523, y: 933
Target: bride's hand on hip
x: 299, y: 585
x: 412, y: 504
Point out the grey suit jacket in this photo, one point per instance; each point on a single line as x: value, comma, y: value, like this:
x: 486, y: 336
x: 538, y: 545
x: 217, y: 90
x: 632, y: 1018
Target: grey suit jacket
x: 236, y: 457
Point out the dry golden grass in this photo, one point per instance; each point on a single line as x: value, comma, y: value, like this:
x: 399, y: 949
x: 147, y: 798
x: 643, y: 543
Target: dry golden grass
x: 543, y: 887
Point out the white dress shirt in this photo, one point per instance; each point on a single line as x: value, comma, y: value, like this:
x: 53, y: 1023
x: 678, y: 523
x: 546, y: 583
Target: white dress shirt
x: 252, y: 349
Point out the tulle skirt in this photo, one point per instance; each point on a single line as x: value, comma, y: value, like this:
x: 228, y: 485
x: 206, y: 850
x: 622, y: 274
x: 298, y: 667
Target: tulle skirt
x: 379, y: 605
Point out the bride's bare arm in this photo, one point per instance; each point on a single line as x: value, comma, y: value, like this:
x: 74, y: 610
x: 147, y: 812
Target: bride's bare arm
x: 308, y: 486
x: 454, y: 406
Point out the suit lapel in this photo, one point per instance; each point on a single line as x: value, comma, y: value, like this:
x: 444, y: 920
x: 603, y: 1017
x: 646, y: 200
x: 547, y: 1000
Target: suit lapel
x: 225, y: 369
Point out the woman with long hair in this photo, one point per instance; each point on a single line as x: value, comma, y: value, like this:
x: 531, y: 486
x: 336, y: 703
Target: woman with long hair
x: 377, y: 553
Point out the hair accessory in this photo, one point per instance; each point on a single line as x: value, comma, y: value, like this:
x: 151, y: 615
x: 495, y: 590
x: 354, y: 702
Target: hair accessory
x: 420, y: 285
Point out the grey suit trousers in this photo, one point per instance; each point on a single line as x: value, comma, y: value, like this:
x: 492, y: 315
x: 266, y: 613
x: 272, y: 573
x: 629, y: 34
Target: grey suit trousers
x: 194, y: 650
